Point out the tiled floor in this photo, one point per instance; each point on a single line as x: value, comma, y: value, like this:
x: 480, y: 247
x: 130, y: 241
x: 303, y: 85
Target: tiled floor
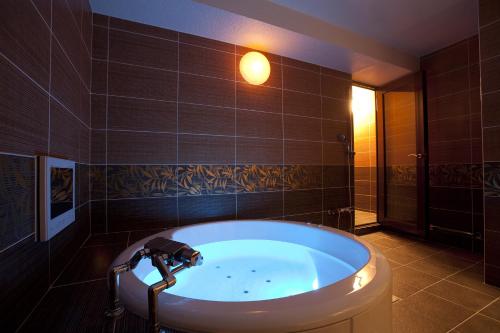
x: 361, y: 217
x: 440, y: 289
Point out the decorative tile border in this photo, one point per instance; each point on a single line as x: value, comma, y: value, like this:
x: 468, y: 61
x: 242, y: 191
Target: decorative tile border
x: 135, y: 181
x: 138, y: 181
x: 205, y: 179
x: 492, y: 179
x: 401, y: 175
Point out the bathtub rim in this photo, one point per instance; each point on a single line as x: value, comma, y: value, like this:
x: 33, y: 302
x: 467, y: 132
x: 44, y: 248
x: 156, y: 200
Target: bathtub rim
x: 310, y: 310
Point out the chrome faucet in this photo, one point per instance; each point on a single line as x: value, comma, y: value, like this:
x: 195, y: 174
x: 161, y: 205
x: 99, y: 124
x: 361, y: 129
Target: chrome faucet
x: 169, y: 257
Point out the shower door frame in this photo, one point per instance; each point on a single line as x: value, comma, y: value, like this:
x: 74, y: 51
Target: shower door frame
x: 420, y: 227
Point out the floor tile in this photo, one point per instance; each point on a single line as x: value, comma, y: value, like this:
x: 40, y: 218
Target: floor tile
x: 479, y: 324
x: 400, y: 255
x: 474, y: 278
x: 389, y: 242
x: 440, y: 267
x: 493, y: 310
x: 407, y: 281
x: 427, y: 313
x: 460, y: 295
x: 78, y: 308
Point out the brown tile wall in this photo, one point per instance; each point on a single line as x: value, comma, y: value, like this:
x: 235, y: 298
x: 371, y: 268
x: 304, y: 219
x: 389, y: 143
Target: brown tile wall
x: 454, y: 133
x: 489, y: 30
x: 45, y: 67
x: 178, y: 137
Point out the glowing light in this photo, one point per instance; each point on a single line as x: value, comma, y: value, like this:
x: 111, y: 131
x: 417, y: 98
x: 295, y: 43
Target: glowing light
x: 255, y: 68
x: 363, y: 102
x: 315, y: 284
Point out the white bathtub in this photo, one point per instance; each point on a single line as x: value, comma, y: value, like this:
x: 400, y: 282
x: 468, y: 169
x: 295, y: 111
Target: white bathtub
x: 346, y: 285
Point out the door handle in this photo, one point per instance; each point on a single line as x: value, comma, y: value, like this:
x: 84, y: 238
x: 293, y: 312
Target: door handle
x: 416, y: 155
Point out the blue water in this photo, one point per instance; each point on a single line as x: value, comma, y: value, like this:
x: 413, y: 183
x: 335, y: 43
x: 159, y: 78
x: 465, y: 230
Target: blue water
x: 253, y: 270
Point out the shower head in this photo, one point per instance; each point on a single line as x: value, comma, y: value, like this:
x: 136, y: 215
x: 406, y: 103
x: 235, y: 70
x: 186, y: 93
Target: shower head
x: 341, y: 137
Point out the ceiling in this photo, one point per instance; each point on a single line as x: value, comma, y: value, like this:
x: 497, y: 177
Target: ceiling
x: 375, y: 40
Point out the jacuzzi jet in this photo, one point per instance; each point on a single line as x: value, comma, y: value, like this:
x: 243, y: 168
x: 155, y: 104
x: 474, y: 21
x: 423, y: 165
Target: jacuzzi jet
x: 169, y: 257
x: 246, y: 291
x: 229, y: 276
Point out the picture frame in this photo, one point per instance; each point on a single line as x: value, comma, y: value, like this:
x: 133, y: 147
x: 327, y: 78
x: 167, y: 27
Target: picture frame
x: 57, y: 193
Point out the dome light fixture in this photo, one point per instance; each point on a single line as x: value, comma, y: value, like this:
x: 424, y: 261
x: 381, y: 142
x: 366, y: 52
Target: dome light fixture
x: 255, y: 68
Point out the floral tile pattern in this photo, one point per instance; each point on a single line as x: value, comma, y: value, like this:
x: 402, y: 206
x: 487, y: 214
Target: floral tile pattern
x: 259, y: 178
x: 401, y: 175
x: 97, y: 182
x: 492, y: 179
x: 458, y: 175
x: 302, y: 177
x: 136, y: 181
x: 205, y: 179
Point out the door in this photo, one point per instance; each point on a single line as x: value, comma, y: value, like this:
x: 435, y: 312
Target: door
x: 402, y: 157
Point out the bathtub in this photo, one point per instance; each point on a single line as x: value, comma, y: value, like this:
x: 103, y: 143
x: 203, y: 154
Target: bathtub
x: 268, y: 276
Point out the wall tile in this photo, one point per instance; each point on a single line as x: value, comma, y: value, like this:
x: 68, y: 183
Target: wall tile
x: 259, y: 151
x: 335, y: 87
x: 208, y: 62
x: 492, y: 213
x: 98, y: 217
x: 206, y: 42
x: 98, y: 147
x: 100, y: 43
x: 24, y: 112
x: 301, y: 80
x: 141, y: 148
x: 490, y: 75
x: 142, y: 214
x: 259, y: 124
x: 201, y: 119
x: 260, y: 205
x: 455, y: 128
x: 491, y: 109
x: 448, y: 83
x: 303, y: 152
x: 203, y: 149
x: 337, y: 175
x: 141, y: 115
x: 133, y: 81
x: 144, y: 29
x: 98, y: 112
x: 206, y: 90
x: 301, y: 104
x: 198, y: 209
x: 491, y: 146
x: 331, y: 129
x: 99, y: 77
x: 63, y: 126
x: 302, y: 128
x: 335, y: 109
x: 25, y: 270
x: 258, y: 98
x: 334, y: 154
x: 489, y: 11
x: 300, y: 64
x: 242, y: 50
x: 17, y: 198
x: 44, y: 7
x: 142, y: 50
x: 25, y: 39
x: 334, y: 198
x: 303, y: 201
x: 316, y: 218
x: 453, y: 105
x: 448, y: 59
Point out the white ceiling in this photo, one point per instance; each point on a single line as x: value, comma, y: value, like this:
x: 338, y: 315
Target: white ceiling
x: 375, y: 40
x: 417, y: 27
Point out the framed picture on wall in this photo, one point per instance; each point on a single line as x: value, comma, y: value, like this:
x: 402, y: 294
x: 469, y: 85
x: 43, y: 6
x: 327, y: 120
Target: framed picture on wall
x: 56, y: 196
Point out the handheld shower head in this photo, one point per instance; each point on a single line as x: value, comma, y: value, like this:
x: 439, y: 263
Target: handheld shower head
x: 342, y: 138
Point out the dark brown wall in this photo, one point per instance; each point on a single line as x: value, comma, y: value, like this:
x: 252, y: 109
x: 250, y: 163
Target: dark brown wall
x: 178, y: 137
x: 489, y: 32
x: 455, y: 145
x: 44, y: 110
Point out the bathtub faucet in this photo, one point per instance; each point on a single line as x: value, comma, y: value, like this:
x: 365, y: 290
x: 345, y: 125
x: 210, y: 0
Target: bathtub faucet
x: 169, y: 257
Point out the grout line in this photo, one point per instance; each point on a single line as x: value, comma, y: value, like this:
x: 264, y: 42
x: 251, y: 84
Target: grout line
x: 474, y: 314
x: 106, y: 133
x: 283, y: 142
x: 16, y: 242
x: 78, y: 283
x: 235, y: 130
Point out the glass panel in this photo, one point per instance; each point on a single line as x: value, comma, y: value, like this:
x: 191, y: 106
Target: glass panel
x: 365, y: 160
x: 400, y: 143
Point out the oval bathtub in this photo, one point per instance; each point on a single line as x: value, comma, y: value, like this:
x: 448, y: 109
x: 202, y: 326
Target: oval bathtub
x: 268, y: 276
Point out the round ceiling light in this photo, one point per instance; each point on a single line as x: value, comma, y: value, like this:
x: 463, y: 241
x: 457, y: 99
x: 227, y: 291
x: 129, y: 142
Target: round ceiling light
x: 255, y: 68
